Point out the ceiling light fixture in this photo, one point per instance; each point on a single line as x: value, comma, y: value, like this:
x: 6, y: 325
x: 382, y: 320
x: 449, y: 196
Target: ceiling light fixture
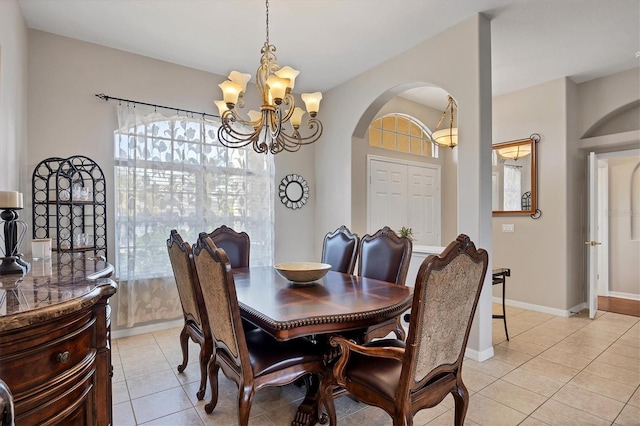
x: 278, y: 107
x: 448, y: 136
x: 515, y: 152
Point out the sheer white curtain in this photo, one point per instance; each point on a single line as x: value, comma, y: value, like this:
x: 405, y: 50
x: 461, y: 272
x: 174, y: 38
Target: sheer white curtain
x: 171, y: 173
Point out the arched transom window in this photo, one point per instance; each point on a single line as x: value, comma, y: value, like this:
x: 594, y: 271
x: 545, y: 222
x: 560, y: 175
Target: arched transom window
x: 402, y: 133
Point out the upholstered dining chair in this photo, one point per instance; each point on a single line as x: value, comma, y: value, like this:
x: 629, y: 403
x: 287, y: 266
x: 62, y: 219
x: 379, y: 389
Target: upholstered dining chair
x: 385, y: 256
x: 340, y: 249
x: 252, y: 359
x: 196, y: 322
x: 403, y: 378
x: 237, y: 245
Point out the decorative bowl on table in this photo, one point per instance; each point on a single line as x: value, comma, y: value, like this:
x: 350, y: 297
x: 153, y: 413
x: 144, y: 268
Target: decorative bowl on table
x: 302, y: 273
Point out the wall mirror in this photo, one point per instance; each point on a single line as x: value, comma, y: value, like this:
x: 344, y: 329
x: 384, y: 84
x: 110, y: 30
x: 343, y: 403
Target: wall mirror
x: 513, y: 177
x: 294, y: 191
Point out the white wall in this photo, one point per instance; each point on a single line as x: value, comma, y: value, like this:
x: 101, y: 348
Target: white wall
x: 624, y: 252
x: 13, y: 100
x: 609, y: 121
x: 547, y: 256
x: 351, y: 106
x: 67, y: 119
x: 601, y: 98
x: 537, y: 251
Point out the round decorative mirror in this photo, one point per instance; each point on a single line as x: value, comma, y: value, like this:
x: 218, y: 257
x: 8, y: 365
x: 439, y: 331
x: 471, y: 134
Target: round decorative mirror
x: 294, y: 191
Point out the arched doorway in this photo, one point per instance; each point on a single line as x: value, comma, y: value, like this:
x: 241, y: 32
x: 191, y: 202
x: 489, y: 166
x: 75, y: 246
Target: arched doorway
x: 426, y: 107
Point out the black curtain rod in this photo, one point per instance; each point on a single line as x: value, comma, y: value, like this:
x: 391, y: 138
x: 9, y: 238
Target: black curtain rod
x: 109, y: 98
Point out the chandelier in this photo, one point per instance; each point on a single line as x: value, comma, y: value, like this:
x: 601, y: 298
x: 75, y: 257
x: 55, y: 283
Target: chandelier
x: 447, y: 136
x: 269, y: 131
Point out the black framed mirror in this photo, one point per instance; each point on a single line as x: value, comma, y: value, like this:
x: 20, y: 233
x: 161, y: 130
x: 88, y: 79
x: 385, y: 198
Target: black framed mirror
x: 514, y: 177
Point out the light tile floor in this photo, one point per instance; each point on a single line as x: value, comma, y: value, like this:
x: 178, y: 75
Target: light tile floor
x: 554, y: 371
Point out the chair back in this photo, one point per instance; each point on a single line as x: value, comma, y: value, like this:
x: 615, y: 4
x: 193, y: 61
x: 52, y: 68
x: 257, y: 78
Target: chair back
x: 445, y: 297
x: 221, y: 304
x: 385, y: 256
x: 340, y: 249
x: 184, y: 271
x: 237, y: 245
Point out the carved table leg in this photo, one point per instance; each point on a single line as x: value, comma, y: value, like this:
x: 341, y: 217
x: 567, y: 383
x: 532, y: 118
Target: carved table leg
x: 309, y: 412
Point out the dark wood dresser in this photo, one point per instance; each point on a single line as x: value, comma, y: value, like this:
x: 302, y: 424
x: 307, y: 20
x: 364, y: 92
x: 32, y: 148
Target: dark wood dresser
x: 55, y: 347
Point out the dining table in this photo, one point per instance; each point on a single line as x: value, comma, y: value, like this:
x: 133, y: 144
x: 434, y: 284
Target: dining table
x: 337, y: 304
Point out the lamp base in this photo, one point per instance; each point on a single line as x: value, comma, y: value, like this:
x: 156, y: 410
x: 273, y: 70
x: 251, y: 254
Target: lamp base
x: 12, y: 265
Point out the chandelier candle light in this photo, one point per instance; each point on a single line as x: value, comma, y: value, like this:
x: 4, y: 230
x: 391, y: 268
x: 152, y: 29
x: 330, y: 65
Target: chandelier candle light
x: 275, y: 85
x: 14, y: 231
x: 447, y: 136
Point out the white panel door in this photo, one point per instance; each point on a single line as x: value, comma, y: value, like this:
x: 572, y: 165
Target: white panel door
x: 405, y: 194
x: 423, y: 210
x: 388, y: 201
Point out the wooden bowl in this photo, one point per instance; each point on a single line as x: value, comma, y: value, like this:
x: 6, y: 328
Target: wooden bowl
x: 302, y: 272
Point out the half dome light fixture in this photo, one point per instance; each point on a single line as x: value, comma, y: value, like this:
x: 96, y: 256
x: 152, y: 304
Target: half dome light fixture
x: 515, y: 152
x: 449, y: 135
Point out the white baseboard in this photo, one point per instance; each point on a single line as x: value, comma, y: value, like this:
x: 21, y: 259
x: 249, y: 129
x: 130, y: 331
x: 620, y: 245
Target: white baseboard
x: 134, y: 331
x: 540, y: 308
x: 578, y: 308
x: 624, y: 295
x: 479, y: 355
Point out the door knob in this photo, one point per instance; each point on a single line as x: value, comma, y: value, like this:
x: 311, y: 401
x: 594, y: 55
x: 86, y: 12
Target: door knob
x: 592, y: 243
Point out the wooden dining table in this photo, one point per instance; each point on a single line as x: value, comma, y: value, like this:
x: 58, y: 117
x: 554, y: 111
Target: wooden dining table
x: 338, y: 303
x: 335, y: 304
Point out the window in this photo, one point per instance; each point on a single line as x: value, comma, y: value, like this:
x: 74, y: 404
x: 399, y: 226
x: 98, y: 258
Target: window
x: 512, y: 187
x: 171, y: 173
x: 398, y: 132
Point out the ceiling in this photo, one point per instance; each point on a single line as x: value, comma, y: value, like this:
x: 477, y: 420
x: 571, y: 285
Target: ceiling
x: 332, y: 41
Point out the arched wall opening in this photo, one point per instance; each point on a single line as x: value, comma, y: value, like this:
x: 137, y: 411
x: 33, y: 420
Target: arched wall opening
x: 463, y: 68
x: 427, y: 111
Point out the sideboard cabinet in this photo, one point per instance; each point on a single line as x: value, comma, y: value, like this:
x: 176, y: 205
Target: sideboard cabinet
x: 55, y: 350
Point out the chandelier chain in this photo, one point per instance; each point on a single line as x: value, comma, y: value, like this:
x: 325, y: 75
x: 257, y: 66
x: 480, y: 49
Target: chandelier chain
x: 267, y: 21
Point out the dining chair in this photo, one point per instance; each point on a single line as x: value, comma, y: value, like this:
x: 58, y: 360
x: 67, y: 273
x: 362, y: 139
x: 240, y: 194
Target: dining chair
x: 340, y: 249
x: 251, y: 358
x: 385, y: 256
x: 405, y: 377
x: 196, y: 322
x: 237, y: 245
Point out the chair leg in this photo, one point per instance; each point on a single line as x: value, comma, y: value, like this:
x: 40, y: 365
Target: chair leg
x: 461, y: 399
x: 400, y: 419
x: 245, y: 396
x: 205, y: 355
x: 504, y: 311
x: 326, y: 396
x: 184, y: 345
x: 213, y: 381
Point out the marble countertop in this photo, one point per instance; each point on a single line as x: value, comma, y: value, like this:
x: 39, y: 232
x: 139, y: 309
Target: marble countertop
x: 52, y: 287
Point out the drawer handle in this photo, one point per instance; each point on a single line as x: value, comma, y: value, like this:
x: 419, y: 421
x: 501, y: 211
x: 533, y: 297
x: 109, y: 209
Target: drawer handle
x: 63, y: 357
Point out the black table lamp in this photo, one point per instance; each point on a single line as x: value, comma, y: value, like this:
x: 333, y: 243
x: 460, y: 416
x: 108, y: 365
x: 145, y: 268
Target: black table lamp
x: 14, y: 231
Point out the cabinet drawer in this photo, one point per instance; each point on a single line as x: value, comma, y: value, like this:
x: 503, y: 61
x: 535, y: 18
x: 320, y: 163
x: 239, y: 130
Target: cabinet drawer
x: 25, y: 372
x: 69, y: 403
